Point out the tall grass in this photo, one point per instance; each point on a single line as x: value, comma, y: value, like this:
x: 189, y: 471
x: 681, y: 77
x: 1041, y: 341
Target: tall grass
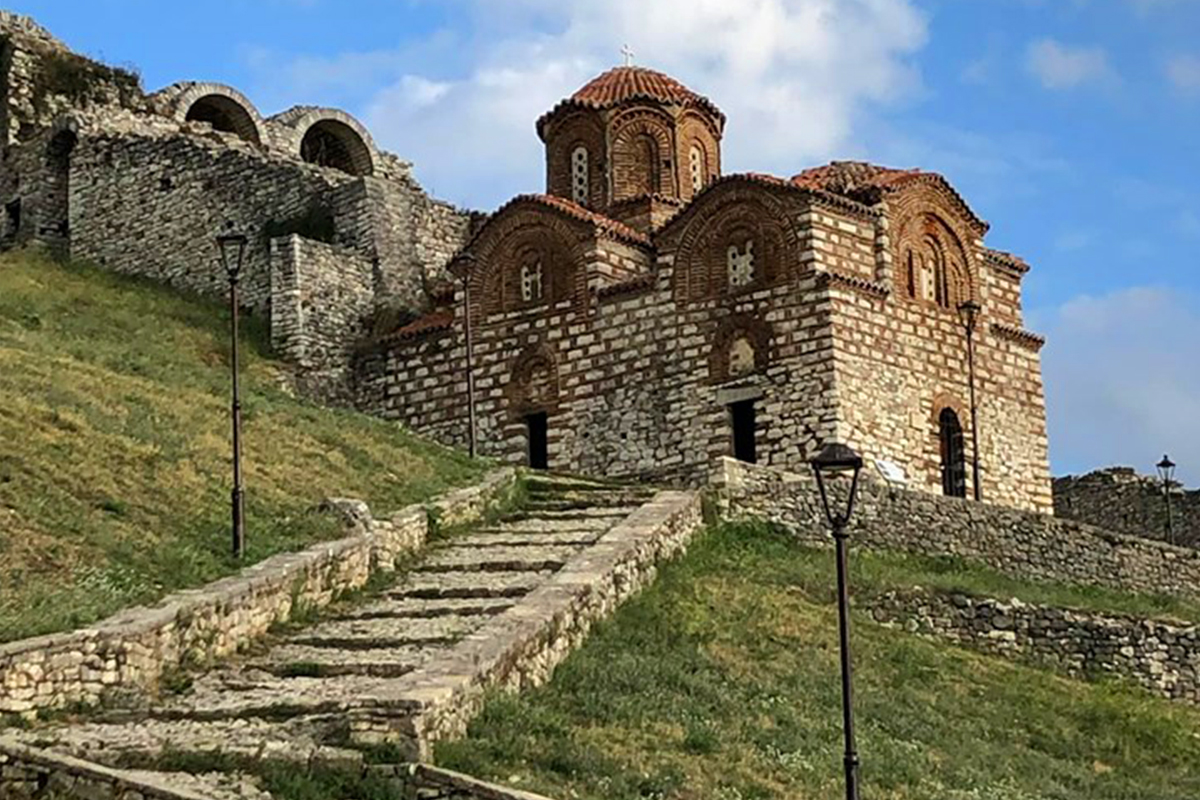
x: 114, y: 447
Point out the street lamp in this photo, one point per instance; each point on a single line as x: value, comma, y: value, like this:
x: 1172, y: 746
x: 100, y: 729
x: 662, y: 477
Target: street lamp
x: 1166, y: 473
x: 468, y: 332
x: 968, y: 312
x: 838, y: 461
x: 233, y: 249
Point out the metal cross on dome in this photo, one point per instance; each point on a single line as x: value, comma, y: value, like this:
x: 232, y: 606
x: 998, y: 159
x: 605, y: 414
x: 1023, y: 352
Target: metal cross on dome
x: 628, y: 53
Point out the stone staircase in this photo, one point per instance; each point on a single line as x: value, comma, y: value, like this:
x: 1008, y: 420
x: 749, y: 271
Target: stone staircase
x: 496, y: 606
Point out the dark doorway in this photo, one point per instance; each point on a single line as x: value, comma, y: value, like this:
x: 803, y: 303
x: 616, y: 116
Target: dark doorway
x: 539, y: 428
x: 742, y: 417
x: 954, y: 457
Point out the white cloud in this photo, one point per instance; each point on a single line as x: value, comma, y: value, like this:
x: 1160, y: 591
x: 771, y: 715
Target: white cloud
x: 797, y: 78
x: 1121, y: 380
x: 1184, y: 73
x: 1062, y: 66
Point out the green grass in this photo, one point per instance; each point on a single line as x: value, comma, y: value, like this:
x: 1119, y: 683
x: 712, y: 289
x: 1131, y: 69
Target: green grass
x: 721, y: 681
x: 114, y: 470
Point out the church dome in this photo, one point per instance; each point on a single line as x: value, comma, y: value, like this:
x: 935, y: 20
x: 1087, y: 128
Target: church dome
x: 620, y: 85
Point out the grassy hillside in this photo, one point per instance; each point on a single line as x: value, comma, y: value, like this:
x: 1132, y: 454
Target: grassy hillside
x: 114, y: 467
x: 721, y: 681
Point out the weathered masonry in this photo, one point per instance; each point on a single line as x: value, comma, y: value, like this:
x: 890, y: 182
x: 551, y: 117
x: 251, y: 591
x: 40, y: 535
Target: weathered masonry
x: 340, y: 233
x: 648, y: 314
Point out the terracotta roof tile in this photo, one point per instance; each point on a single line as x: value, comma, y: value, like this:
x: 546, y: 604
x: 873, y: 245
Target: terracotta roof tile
x: 433, y: 321
x: 621, y: 84
x: 605, y: 224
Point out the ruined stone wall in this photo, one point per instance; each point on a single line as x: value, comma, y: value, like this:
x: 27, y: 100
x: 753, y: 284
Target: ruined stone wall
x: 1161, y: 656
x: 1024, y: 544
x: 1121, y: 500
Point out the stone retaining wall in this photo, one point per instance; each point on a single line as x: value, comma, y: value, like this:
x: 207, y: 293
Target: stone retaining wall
x: 29, y: 773
x: 1023, y: 544
x: 1161, y: 656
x: 521, y: 647
x: 426, y: 782
x: 131, y: 650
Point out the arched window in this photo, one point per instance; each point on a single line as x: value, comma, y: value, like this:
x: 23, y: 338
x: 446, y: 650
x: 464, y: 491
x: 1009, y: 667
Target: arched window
x: 647, y: 156
x: 224, y: 114
x: 740, y: 263
x: 696, y: 160
x: 954, y: 461
x: 911, y: 277
x: 531, y: 281
x: 332, y: 143
x: 579, y: 175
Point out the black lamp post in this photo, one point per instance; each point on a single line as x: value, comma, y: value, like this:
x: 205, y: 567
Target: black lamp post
x: 233, y: 249
x: 1166, y: 473
x: 468, y: 332
x: 834, y: 461
x: 969, y: 313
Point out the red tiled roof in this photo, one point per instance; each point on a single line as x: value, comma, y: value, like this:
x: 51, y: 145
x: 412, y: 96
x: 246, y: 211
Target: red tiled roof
x: 865, y: 182
x: 620, y: 84
x: 433, y: 321
x: 604, y: 224
x: 1013, y: 261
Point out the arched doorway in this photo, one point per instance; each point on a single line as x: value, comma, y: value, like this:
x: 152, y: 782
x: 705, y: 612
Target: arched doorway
x: 954, y: 457
x: 331, y: 143
x: 53, y: 224
x: 224, y: 114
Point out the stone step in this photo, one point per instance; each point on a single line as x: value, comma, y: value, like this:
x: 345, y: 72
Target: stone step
x: 141, y: 742
x: 497, y: 537
x: 430, y: 585
x: 259, y: 694
x: 536, y: 558
x: 608, y: 514
x: 558, y: 483
x: 362, y: 634
x: 304, y: 661
x: 558, y: 502
x: 539, y: 524
x: 418, y: 608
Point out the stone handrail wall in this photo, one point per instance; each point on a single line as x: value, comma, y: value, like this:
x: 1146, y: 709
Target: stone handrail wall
x: 1161, y: 656
x: 521, y: 647
x: 131, y: 650
x: 427, y: 782
x: 26, y: 772
x: 1023, y: 544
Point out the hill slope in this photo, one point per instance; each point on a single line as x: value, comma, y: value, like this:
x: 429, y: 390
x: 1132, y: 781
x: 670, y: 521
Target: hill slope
x: 114, y: 467
x: 721, y: 681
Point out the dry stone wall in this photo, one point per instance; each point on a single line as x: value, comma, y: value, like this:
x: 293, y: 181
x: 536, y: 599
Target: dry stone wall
x: 1121, y: 500
x: 1023, y: 544
x: 1161, y: 656
x: 131, y: 650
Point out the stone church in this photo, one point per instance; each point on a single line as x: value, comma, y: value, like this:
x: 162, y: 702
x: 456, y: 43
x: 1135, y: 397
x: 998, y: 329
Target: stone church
x: 644, y: 316
x: 648, y: 314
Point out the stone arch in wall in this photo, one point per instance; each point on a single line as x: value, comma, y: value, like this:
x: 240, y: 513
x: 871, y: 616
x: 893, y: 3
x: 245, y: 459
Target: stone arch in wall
x: 932, y: 231
x: 642, y: 157
x: 516, y: 246
x: 223, y: 107
x: 326, y: 137
x: 950, y: 432
x: 53, y: 224
x: 740, y: 241
x: 741, y: 346
x: 533, y: 384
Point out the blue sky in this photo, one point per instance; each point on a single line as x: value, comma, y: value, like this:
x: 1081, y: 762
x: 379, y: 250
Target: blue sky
x: 1073, y: 126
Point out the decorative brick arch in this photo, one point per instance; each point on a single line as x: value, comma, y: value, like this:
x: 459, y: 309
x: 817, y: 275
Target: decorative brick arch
x: 755, y: 331
x: 217, y: 104
x: 734, y: 215
x: 697, y: 131
x: 533, y: 384
x: 507, y: 244
x: 642, y: 155
x: 326, y: 137
x: 926, y: 217
x: 582, y: 129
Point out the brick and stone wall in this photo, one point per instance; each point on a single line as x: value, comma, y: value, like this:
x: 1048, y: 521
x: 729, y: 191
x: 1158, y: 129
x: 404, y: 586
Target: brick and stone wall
x: 1119, y: 499
x: 1161, y: 656
x: 131, y: 650
x: 1023, y: 544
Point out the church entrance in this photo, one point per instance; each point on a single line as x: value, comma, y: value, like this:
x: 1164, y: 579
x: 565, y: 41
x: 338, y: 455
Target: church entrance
x: 538, y: 429
x: 742, y: 417
x: 954, y: 457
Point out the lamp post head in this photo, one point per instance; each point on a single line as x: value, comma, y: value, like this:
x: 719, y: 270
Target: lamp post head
x: 233, y: 250
x: 968, y: 312
x: 837, y: 460
x: 1166, y: 470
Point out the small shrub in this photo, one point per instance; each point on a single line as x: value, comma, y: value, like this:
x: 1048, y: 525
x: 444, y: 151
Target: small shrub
x: 81, y: 81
